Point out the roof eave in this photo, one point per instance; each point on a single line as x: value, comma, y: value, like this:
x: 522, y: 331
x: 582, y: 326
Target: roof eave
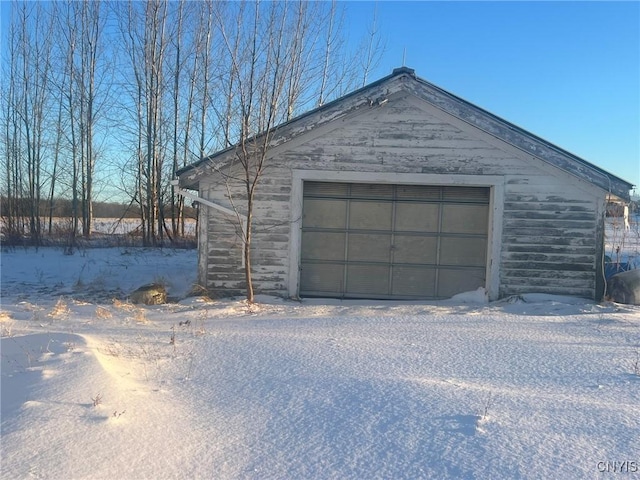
x: 450, y: 103
x: 203, y: 165
x: 527, y: 141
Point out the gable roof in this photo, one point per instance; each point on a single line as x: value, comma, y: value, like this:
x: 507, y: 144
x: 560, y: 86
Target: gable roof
x: 405, y: 80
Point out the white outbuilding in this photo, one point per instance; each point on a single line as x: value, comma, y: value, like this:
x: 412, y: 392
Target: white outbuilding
x: 401, y: 190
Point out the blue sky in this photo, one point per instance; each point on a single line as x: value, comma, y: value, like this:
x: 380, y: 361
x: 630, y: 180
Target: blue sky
x: 568, y: 72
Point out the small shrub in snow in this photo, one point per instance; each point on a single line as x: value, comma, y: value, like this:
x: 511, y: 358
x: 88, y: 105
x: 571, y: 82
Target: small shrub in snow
x: 126, y: 306
x: 635, y: 363
x: 140, y: 316
x: 29, y: 354
x: 198, y: 291
x: 111, y: 349
x: 102, y: 313
x: 200, y: 330
x: 488, y: 403
x: 60, y: 309
x: 6, y: 325
x: 79, y: 282
x: 172, y: 339
x: 483, y: 415
x: 190, y: 367
x: 40, y: 275
x: 97, y: 400
x: 37, y: 317
x: 197, y: 326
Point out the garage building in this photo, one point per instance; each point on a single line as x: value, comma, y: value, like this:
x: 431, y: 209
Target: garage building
x: 401, y: 190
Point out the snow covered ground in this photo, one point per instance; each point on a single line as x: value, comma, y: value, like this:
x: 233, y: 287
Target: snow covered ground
x: 93, y: 387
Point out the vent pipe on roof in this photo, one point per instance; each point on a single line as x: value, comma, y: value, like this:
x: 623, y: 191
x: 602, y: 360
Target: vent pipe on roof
x: 407, y: 70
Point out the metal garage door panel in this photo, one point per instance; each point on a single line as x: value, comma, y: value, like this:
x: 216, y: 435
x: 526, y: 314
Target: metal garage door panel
x: 466, y: 194
x: 370, y: 215
x: 324, y: 213
x: 368, y: 280
x: 371, y: 190
x: 451, y: 282
x: 323, y: 246
x: 465, y: 218
x: 417, y: 217
x: 393, y: 241
x: 326, y: 189
x: 463, y: 251
x: 415, y: 249
x: 322, y: 278
x: 367, y: 247
x: 418, y: 192
x: 414, y: 281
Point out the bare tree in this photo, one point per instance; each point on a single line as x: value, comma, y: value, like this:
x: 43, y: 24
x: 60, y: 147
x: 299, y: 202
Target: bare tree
x: 373, y: 47
x: 27, y: 103
x: 79, y: 31
x: 11, y: 211
x: 177, y: 39
x: 155, y: 46
x: 56, y: 158
x: 143, y: 27
x: 71, y: 32
x: 273, y: 57
x: 341, y: 68
x: 129, y: 18
x: 328, y: 51
x: 92, y: 24
x: 192, y: 77
x: 203, y: 52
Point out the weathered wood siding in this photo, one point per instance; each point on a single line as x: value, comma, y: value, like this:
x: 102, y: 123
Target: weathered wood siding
x: 221, y: 259
x: 549, y: 238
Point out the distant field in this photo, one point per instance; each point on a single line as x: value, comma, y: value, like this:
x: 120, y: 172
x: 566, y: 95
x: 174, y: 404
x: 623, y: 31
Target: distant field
x: 112, y: 226
x: 115, y: 226
x: 105, y: 232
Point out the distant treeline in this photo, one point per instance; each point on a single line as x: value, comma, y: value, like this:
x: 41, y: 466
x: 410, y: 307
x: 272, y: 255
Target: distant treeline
x: 63, y: 207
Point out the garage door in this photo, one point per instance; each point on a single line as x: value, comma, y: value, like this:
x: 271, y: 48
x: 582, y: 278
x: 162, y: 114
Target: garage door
x: 392, y: 241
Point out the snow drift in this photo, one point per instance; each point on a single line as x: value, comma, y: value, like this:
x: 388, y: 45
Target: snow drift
x: 534, y: 386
